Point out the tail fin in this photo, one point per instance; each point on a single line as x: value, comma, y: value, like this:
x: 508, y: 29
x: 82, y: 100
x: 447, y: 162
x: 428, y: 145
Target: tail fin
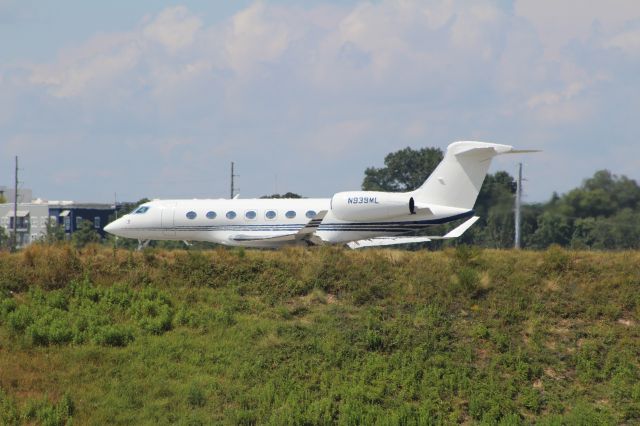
x: 457, y: 180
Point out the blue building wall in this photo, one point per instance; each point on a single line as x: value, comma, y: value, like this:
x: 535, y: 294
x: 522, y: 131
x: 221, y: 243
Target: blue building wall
x: 99, y: 217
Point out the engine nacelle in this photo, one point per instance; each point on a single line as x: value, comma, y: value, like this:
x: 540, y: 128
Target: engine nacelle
x: 360, y: 206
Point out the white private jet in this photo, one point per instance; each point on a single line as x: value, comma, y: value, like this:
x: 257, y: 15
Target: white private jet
x: 356, y: 218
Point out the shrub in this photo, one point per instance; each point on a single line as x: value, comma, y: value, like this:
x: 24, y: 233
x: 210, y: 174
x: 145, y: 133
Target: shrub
x: 19, y: 319
x: 555, y: 260
x: 46, y: 413
x: 113, y: 335
x: 467, y: 280
x: 195, y: 396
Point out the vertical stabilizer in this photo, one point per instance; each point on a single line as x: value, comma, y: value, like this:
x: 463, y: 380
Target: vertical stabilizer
x: 457, y: 180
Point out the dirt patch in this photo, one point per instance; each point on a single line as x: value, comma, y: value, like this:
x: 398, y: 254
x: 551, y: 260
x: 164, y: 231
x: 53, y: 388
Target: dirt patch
x: 626, y: 322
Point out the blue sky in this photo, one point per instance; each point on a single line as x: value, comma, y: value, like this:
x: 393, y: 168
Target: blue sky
x: 155, y: 99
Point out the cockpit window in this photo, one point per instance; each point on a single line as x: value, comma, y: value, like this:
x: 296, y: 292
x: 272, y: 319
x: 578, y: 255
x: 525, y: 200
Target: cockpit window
x: 310, y: 214
x: 141, y: 210
x: 191, y: 215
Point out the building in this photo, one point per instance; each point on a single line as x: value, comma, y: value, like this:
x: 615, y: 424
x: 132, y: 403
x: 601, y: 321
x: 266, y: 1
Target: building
x: 70, y: 215
x: 32, y: 218
x: 31, y: 221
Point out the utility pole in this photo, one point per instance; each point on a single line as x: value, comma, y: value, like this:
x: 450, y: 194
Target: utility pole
x: 115, y: 208
x: 14, y: 238
x: 518, y: 208
x: 233, y: 176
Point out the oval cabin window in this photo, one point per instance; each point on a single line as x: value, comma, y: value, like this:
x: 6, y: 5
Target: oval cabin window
x: 290, y: 214
x: 251, y: 214
x: 211, y: 215
x: 231, y: 214
x: 191, y: 215
x: 310, y: 214
x: 270, y: 214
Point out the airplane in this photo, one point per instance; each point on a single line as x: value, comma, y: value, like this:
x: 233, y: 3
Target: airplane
x: 353, y: 218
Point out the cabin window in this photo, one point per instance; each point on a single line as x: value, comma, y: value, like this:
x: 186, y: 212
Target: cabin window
x: 191, y: 215
x: 141, y: 210
x: 310, y: 214
x: 270, y: 214
x: 211, y: 215
x: 290, y: 214
x: 231, y: 214
x: 96, y: 222
x: 251, y: 214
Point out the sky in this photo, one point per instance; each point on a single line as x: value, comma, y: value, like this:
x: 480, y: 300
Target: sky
x: 155, y: 98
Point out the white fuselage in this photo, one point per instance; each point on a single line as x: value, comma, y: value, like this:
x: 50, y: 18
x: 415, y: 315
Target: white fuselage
x: 211, y: 220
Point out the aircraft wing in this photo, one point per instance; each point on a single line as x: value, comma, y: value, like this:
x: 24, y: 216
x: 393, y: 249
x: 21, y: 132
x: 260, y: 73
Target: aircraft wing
x: 306, y: 233
x: 387, y: 241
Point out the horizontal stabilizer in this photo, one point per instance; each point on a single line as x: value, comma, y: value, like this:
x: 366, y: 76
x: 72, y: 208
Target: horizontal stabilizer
x: 523, y: 151
x: 386, y: 241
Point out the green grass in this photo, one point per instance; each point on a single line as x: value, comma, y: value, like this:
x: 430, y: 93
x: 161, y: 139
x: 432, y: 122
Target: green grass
x: 319, y: 337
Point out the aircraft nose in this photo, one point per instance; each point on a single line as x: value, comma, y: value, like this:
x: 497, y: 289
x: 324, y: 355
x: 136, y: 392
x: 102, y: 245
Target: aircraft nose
x: 114, y: 227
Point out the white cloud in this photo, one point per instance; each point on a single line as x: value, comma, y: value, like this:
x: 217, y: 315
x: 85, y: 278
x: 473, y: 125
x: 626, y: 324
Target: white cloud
x: 560, y: 22
x: 93, y: 64
x: 175, y: 28
x: 627, y: 41
x: 256, y: 37
x: 551, y: 98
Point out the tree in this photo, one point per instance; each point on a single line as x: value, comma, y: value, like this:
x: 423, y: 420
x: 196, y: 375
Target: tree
x: 4, y: 238
x: 403, y: 170
x: 286, y: 195
x: 55, y: 232
x: 553, y: 228
x: 86, y: 234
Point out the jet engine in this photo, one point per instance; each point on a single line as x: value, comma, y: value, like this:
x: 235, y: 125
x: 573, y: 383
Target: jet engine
x: 362, y: 206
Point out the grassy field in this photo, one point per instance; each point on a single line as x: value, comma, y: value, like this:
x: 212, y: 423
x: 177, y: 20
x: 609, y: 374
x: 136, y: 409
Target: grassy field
x: 319, y: 337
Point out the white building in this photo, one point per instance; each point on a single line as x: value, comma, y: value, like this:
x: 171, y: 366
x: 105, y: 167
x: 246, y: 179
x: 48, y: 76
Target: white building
x: 31, y: 221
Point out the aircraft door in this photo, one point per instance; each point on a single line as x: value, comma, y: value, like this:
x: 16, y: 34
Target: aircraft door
x: 167, y: 221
